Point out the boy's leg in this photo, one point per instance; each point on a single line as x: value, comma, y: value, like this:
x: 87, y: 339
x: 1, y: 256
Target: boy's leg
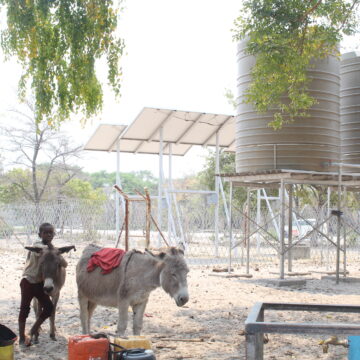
x: 26, y: 297
x: 46, y: 306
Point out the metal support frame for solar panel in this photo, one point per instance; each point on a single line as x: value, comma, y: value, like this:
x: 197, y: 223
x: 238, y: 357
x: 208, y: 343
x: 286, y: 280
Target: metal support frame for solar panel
x: 111, y: 133
x: 256, y: 326
x: 279, y: 178
x: 172, y: 132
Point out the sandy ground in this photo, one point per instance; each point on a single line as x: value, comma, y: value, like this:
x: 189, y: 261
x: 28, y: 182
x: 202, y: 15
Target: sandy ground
x: 213, y: 318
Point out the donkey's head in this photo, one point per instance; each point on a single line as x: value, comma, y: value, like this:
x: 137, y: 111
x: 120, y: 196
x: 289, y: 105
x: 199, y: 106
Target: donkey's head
x: 50, y: 264
x: 173, y: 276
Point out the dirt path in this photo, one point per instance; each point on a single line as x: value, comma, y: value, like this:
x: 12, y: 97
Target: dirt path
x: 214, y: 316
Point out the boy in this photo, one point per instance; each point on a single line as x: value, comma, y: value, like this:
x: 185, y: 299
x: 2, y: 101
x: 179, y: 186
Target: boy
x: 31, y: 285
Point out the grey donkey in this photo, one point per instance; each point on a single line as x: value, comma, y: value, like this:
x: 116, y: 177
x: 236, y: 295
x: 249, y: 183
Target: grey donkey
x: 130, y: 284
x: 52, y: 269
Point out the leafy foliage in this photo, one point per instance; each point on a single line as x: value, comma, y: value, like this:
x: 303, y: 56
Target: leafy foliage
x: 13, y: 184
x: 130, y: 182
x: 227, y: 166
x: 80, y: 189
x: 57, y: 42
x: 285, y: 37
x: 16, y: 186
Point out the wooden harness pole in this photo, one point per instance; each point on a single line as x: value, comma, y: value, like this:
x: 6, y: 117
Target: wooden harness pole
x: 149, y: 218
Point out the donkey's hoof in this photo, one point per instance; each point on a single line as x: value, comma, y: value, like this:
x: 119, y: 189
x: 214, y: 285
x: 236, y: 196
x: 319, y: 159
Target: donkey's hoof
x: 34, y: 338
x: 53, y: 337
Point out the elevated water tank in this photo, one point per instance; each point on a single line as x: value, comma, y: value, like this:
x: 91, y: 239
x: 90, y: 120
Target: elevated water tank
x: 305, y: 144
x: 350, y: 108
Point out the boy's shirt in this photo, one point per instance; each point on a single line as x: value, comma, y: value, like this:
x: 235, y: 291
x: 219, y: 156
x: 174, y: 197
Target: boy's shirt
x: 31, y: 270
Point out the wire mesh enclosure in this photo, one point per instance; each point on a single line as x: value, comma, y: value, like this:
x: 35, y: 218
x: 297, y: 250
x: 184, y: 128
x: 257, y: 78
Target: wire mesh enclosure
x: 191, y: 224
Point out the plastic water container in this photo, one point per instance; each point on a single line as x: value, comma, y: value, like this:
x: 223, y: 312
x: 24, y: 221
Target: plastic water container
x: 132, y: 342
x: 84, y: 347
x: 7, y: 339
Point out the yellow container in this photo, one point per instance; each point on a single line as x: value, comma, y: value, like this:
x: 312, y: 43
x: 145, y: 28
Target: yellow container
x: 7, y: 339
x: 133, y: 342
x: 7, y: 352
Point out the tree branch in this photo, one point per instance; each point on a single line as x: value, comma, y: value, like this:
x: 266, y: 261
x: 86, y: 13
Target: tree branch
x: 309, y: 11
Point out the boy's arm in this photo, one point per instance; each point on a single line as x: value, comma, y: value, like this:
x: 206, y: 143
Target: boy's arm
x: 63, y: 262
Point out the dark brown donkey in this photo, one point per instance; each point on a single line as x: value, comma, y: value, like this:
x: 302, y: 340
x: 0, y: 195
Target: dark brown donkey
x: 52, y: 269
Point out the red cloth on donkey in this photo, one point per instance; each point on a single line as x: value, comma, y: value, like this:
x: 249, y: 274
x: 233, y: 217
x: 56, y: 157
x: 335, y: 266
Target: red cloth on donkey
x: 106, y: 258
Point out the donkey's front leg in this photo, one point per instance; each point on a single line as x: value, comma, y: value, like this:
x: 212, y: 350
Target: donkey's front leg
x: 122, y: 318
x: 55, y: 300
x: 138, y: 312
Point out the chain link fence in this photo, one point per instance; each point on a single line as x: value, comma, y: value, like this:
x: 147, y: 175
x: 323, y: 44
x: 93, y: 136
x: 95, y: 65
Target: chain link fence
x: 255, y: 235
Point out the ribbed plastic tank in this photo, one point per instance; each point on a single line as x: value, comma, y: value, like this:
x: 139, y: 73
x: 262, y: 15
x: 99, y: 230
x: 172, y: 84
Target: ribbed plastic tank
x: 350, y: 108
x: 306, y: 144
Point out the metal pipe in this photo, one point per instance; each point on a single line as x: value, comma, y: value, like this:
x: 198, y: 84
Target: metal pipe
x: 191, y: 191
x: 282, y: 222
x: 328, y: 226
x: 354, y: 166
x: 338, y: 233
x: 148, y: 217
x: 230, y: 225
x: 127, y: 225
x: 290, y: 228
x: 217, y: 171
x: 160, y: 190
x: 248, y: 212
x: 258, y: 218
x: 224, y: 202
x: 117, y: 194
x: 169, y: 197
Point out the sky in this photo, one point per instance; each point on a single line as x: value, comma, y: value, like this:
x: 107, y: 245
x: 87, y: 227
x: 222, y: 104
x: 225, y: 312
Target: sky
x: 179, y: 55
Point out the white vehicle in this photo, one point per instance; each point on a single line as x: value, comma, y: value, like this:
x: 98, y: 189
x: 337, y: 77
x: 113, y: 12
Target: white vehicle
x: 295, y: 231
x: 300, y: 228
x: 305, y: 227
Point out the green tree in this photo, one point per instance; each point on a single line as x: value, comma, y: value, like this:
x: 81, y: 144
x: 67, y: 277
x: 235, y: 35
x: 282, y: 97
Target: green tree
x: 131, y: 181
x: 58, y: 42
x: 15, y: 186
x: 227, y: 166
x: 285, y: 36
x: 102, y: 179
x: 80, y: 189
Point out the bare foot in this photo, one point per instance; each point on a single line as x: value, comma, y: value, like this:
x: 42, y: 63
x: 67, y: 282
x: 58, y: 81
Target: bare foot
x: 26, y: 341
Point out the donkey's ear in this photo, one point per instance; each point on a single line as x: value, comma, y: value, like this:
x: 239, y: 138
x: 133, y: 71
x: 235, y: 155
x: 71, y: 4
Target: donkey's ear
x: 34, y: 249
x: 181, y: 247
x: 176, y: 251
x: 66, y: 249
x: 173, y: 251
